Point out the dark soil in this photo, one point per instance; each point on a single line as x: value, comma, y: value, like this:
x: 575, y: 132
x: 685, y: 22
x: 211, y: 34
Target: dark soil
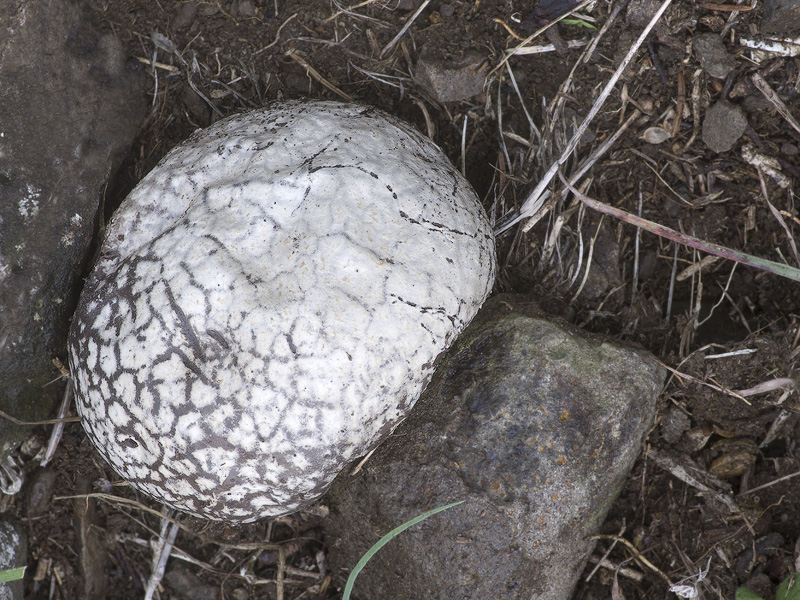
x: 217, y: 58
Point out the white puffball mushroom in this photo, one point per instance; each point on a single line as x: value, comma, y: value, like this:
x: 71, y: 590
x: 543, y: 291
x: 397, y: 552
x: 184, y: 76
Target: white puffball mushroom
x: 269, y: 303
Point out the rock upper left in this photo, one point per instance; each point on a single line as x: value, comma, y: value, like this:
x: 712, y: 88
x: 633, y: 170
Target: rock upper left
x: 69, y: 109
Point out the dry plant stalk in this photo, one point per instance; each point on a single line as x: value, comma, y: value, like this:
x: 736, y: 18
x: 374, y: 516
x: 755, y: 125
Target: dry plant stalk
x: 686, y: 240
x: 538, y: 196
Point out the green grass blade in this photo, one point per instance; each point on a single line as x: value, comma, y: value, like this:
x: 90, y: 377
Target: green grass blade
x: 687, y: 240
x: 789, y: 589
x: 12, y: 574
x: 348, y: 588
x: 580, y: 22
x: 744, y: 593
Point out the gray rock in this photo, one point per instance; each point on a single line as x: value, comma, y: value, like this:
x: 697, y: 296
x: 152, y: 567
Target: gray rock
x: 450, y: 78
x: 40, y: 492
x: 723, y: 124
x: 640, y: 12
x: 188, y: 585
x: 13, y: 554
x: 184, y: 13
x: 535, y: 426
x: 68, y: 109
x: 781, y: 16
x: 674, y: 424
x: 90, y: 545
x: 713, y: 55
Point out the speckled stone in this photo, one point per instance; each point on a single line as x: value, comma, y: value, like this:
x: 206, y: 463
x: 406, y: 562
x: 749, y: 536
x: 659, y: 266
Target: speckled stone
x: 535, y: 426
x: 269, y: 303
x: 713, y: 55
x: 723, y: 125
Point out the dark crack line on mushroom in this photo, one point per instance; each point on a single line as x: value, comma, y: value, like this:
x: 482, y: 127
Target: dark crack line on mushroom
x: 216, y: 335
x: 426, y: 309
x: 253, y: 281
x: 308, y: 162
x: 185, y: 326
x: 433, y: 225
x: 356, y: 167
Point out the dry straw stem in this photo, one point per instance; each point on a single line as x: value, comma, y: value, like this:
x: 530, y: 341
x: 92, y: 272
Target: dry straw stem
x: 348, y: 10
x: 538, y: 196
x: 637, y: 555
x: 277, y: 36
x: 162, y: 549
x: 778, y: 217
x: 770, y: 94
x: 581, y: 171
x: 119, y: 500
x: 520, y: 49
x: 16, y: 421
x: 771, y: 483
x: 58, y: 430
x: 316, y: 75
x: 405, y: 27
x: 687, y: 240
x: 697, y: 478
x: 548, y: 48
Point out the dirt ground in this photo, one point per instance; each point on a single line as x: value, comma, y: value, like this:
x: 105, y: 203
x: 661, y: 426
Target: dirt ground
x: 722, y: 327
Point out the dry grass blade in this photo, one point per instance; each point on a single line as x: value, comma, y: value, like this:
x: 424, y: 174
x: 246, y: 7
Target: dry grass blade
x: 277, y: 36
x: 315, y: 74
x: 405, y: 27
x: 527, y: 50
x: 582, y: 170
x: 779, y: 218
x: 17, y: 421
x: 637, y: 555
x: 695, y: 477
x: 58, y: 430
x: 770, y: 94
x: 771, y: 483
x: 162, y: 549
x: 520, y: 48
x: 687, y: 240
x: 347, y: 11
x: 537, y: 197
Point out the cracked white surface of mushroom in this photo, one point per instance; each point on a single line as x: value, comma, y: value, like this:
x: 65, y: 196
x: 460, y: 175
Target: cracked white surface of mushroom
x: 269, y: 302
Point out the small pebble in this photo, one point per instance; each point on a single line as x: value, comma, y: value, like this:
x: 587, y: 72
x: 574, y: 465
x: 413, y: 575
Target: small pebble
x: 713, y: 55
x: 674, y: 424
x: 781, y: 16
x: 40, y: 492
x: 446, y: 10
x: 655, y: 135
x: 723, y: 125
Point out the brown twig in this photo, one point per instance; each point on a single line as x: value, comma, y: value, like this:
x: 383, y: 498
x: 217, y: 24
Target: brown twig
x: 687, y: 240
x: 537, y: 197
x: 776, y: 101
x: 405, y: 27
x: 726, y: 7
x: 638, y: 555
x: 315, y: 74
x: 277, y: 36
x: 43, y: 422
